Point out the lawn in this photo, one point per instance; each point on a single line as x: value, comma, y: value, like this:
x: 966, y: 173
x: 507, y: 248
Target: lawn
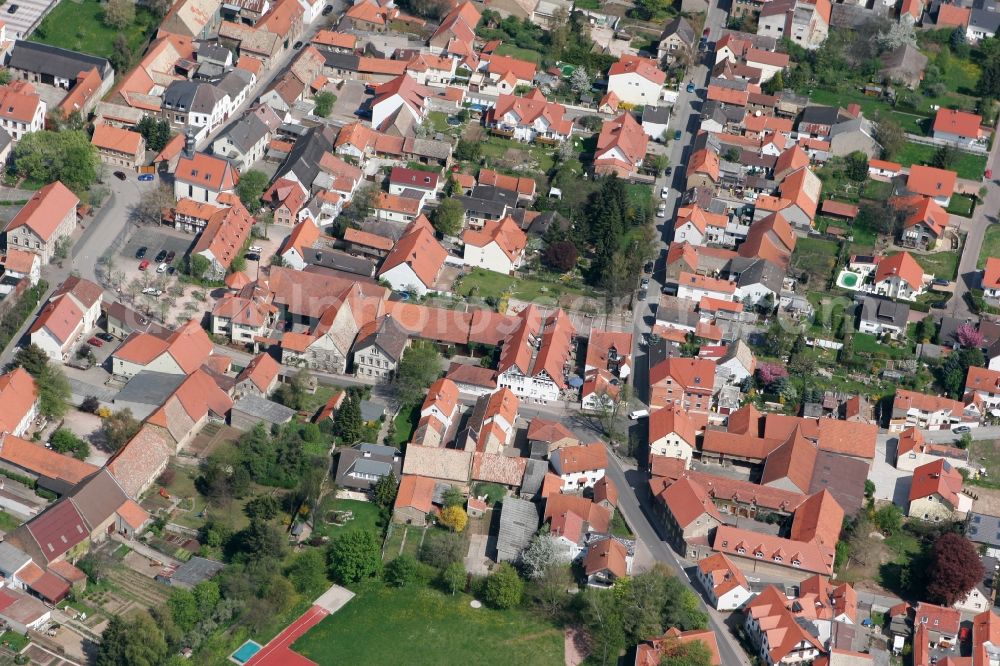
x: 517, y: 52
x: 991, y: 245
x: 960, y: 204
x: 865, y: 343
x: 986, y: 453
x: 817, y: 257
x: 967, y: 165
x: 78, y: 25
x: 8, y: 523
x: 871, y: 106
x: 942, y: 264
x: 489, y: 284
x: 422, y: 626
x: 405, y: 423
x: 367, y: 516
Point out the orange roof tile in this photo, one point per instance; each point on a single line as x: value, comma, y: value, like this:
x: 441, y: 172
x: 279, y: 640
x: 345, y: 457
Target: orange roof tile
x: 903, y: 266
x: 937, y: 478
x: 930, y: 181
x: 18, y: 395
x: 606, y: 555
x: 505, y: 233
x: 117, y: 139
x: 644, y: 67
x: 207, y: 171
x: 688, y: 501
x: 45, y: 210
x: 961, y: 123
x: 420, y: 250
x: 39, y: 460
x: 415, y: 492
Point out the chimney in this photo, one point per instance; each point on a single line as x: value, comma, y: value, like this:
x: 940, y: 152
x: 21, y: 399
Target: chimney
x: 188, y: 143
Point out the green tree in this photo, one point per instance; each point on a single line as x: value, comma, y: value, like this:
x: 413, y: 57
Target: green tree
x: 119, y: 14
x: 184, y: 608
x: 64, y: 441
x: 401, y: 571
x: 448, y: 217
x: 66, y: 156
x: 121, y: 54
x: 468, y: 151
x: 33, y: 359
x: 347, y: 424
x: 453, y: 577
x: 262, y: 508
x: 944, y: 157
x: 419, y: 367
x: 307, y: 572
x: 890, y: 135
x: 354, y: 556
x: 53, y: 393
x: 503, y: 587
x: 440, y: 549
x: 118, y: 428
x: 453, y: 496
x: 251, y: 188
x: 198, y: 266
x: 324, y: 103
x: 857, y: 166
x: 888, y: 519
x: 775, y: 84
x: 262, y: 541
x: 384, y: 493
x: 138, y: 641
x: 207, y: 596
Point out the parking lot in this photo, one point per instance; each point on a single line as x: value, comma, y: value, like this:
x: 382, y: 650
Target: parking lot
x: 156, y: 239
x: 27, y: 15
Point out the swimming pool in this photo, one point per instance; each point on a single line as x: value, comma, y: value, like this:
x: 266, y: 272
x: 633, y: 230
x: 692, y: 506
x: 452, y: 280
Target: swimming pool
x: 848, y: 279
x: 246, y: 652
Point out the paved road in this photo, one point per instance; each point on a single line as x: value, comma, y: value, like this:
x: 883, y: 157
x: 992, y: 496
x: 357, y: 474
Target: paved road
x: 986, y: 214
x: 635, y: 507
x: 685, y: 118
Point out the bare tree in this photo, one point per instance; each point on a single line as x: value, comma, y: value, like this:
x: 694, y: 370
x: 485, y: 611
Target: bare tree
x: 150, y: 208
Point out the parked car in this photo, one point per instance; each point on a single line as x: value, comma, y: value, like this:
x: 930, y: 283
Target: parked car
x: 171, y: 270
x: 144, y: 264
x: 107, y: 337
x: 677, y: 135
x: 252, y: 256
x: 669, y: 170
x: 989, y: 174
x: 13, y: 9
x: 256, y: 248
x: 327, y: 10
x: 298, y: 45
x: 644, y: 282
x: 638, y: 414
x: 160, y: 256
x: 141, y: 252
x: 664, y: 192
x: 170, y: 256
x: 95, y: 342
x: 648, y: 268
x: 961, y: 430
x: 690, y: 86
x: 162, y: 268
x: 120, y: 175
x: 145, y: 178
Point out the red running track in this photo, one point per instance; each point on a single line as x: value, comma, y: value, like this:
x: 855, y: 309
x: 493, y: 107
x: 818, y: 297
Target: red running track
x: 278, y: 652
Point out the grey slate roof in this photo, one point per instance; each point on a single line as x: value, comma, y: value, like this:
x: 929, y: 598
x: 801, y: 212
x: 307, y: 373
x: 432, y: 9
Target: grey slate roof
x: 482, y: 206
x: 367, y: 460
x: 55, y: 61
x: 656, y: 114
x: 11, y: 558
x: 305, y: 157
x: 984, y: 19
x: 338, y: 260
x: 680, y: 27
x: 758, y: 271
x: 534, y: 475
x: 518, y: 523
x: 98, y: 497
x: 213, y: 53
x: 884, y: 311
x: 389, y: 336
x: 440, y: 150
x: 264, y: 410
x: 247, y: 132
x: 193, y: 96
x: 981, y: 529
x: 235, y: 82
x: 194, y: 571
x: 149, y: 388
x: 820, y: 115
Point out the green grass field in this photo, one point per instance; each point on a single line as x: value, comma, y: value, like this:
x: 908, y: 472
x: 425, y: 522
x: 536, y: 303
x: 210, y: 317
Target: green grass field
x: 405, y: 423
x: 941, y: 264
x: 421, y: 626
x: 960, y: 204
x: 366, y: 517
x: 872, y: 107
x: 517, y: 52
x: 966, y: 165
x: 489, y: 284
x: 991, y: 245
x: 817, y: 257
x: 79, y: 25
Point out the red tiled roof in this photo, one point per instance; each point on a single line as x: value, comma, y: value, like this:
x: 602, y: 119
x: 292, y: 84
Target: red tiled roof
x: 961, y: 123
x: 644, y: 67
x: 930, y: 181
x: 583, y: 458
x: 937, y: 478
x: 207, y: 171
x: 420, y: 250
x: 991, y: 273
x: 39, y: 460
x: 606, y: 555
x: 45, y: 210
x: 688, y: 501
x: 903, y: 266
x: 415, y: 492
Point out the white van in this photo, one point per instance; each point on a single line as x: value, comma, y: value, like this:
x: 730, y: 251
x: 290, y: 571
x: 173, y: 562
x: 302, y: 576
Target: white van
x: 638, y: 414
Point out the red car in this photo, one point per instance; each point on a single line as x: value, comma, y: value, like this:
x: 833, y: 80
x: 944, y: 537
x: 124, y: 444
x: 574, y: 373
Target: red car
x: 963, y: 634
x: 144, y: 264
x: 989, y: 174
x: 95, y: 342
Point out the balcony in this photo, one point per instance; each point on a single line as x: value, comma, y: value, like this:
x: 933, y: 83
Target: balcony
x: 546, y: 140
x: 502, y: 131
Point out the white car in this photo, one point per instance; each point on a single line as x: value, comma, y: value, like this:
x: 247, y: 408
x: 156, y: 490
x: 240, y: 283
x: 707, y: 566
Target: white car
x: 661, y: 212
x: 665, y: 192
x: 256, y: 248
x: 162, y: 268
x: 153, y: 291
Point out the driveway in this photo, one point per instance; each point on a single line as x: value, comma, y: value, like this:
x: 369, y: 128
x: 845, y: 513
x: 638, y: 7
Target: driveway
x: 891, y: 484
x: 349, y: 99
